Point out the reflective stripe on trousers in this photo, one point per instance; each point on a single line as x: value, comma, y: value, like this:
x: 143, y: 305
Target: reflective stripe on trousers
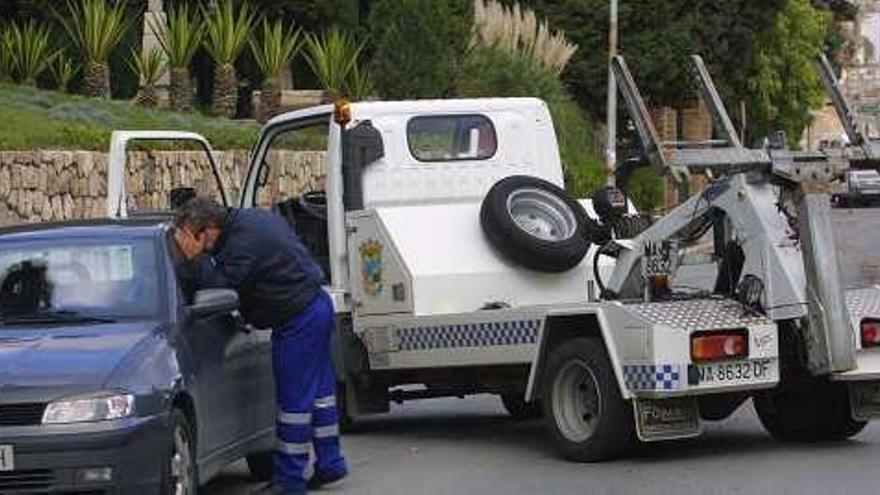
x: 305, y: 386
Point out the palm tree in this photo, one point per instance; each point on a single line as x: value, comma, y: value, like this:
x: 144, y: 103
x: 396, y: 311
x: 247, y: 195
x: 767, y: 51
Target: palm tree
x: 96, y: 29
x: 274, y: 49
x: 150, y: 67
x: 332, y: 56
x: 32, y: 51
x: 179, y: 38
x: 226, y: 32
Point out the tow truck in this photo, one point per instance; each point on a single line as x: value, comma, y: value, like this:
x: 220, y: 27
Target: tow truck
x: 459, y: 265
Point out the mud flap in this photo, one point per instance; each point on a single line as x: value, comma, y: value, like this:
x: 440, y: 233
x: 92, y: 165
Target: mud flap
x: 666, y: 419
x: 864, y: 398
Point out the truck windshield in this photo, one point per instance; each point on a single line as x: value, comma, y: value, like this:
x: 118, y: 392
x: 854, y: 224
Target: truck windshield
x: 94, y: 280
x: 856, y: 236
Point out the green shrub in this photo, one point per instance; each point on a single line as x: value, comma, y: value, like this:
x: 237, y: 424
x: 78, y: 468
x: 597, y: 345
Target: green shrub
x: 491, y: 72
x: 645, y: 189
x: 419, y: 45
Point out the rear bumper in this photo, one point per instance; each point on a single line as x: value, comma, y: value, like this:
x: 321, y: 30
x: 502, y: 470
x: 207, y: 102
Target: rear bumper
x: 53, y: 459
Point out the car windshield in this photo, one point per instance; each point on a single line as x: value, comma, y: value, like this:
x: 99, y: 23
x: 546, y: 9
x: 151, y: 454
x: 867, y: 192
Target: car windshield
x: 97, y: 279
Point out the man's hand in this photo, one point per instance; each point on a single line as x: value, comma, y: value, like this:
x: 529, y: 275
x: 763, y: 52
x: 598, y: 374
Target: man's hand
x: 189, y: 245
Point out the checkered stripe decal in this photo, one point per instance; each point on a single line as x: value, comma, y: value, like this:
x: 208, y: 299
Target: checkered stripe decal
x: 519, y: 332
x: 652, y: 376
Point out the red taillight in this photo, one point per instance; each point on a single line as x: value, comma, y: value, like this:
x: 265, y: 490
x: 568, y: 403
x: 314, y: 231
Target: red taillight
x: 717, y: 346
x: 870, y: 333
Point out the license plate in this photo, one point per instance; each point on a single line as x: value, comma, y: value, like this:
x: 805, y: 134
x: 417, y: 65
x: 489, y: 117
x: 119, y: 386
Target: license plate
x: 6, y: 458
x: 736, y: 372
x: 666, y: 419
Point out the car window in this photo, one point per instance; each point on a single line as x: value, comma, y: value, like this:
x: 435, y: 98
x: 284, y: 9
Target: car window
x: 110, y: 278
x: 451, y: 137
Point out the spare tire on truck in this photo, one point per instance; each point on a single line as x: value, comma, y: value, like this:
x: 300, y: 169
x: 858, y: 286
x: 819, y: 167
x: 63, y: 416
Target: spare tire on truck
x: 535, y: 223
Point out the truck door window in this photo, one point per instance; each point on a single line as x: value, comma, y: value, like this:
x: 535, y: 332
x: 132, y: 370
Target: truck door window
x: 160, y: 173
x: 291, y: 182
x: 451, y: 137
x: 294, y: 164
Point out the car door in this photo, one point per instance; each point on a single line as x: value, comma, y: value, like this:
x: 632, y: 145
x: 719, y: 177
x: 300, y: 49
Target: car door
x: 218, y: 349
x: 260, y: 384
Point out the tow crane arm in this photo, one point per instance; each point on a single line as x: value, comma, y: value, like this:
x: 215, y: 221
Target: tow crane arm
x: 773, y: 205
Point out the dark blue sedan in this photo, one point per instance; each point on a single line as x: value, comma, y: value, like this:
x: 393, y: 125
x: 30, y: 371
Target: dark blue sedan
x: 110, y: 380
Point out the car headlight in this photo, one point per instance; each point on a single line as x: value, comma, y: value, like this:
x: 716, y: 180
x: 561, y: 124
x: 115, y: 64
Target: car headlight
x: 100, y: 407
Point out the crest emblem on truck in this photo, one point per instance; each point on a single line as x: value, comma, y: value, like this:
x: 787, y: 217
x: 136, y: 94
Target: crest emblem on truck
x: 371, y: 267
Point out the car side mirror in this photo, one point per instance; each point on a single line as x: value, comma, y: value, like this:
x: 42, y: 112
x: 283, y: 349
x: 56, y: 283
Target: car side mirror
x: 211, y: 302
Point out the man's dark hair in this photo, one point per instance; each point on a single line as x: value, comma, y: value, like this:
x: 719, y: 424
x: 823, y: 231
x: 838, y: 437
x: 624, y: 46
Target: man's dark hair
x: 199, y: 214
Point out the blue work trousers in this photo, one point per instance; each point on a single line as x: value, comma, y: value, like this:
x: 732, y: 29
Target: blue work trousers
x: 305, y: 389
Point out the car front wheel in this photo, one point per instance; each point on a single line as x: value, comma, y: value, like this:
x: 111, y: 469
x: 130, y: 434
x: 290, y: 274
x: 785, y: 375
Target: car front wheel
x: 180, y: 476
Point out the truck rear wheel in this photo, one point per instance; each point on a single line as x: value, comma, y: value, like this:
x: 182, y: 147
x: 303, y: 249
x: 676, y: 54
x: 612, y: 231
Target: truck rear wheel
x: 535, y: 223
x: 585, y: 413
x: 809, y: 412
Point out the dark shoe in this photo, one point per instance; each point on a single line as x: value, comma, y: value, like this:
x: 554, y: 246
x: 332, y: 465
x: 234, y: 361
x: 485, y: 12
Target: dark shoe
x: 320, y: 480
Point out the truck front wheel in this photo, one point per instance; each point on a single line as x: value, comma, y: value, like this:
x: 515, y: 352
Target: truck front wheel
x: 585, y: 413
x: 808, y: 412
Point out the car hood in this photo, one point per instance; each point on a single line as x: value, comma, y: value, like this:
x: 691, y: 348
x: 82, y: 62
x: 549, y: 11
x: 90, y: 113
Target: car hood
x: 43, y: 364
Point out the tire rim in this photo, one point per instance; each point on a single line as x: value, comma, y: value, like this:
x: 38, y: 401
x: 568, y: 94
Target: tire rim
x: 181, y: 464
x: 577, y: 402
x: 542, y: 214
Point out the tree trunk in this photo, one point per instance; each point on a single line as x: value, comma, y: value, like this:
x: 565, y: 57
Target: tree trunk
x: 270, y: 99
x: 147, y: 97
x: 95, y: 82
x: 180, y: 95
x: 225, y: 91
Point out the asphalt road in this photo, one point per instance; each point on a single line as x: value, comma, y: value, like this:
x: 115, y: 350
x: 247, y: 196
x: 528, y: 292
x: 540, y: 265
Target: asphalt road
x: 454, y: 446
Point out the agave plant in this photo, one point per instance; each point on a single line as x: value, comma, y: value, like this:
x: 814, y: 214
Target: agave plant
x: 150, y: 67
x: 274, y: 49
x: 95, y: 28
x: 332, y: 56
x: 64, y: 69
x: 179, y: 38
x: 360, y: 84
x: 226, y: 32
x: 31, y: 49
x: 7, y: 56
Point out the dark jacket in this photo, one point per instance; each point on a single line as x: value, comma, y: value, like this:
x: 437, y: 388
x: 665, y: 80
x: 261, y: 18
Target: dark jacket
x: 261, y: 257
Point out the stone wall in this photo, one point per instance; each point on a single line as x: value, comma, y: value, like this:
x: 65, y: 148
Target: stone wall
x: 67, y: 185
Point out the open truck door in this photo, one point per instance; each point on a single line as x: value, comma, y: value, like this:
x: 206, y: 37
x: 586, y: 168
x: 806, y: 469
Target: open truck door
x: 117, y: 204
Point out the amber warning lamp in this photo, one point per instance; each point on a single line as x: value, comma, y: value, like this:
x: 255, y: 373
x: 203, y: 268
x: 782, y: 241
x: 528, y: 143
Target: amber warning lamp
x: 342, y: 112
